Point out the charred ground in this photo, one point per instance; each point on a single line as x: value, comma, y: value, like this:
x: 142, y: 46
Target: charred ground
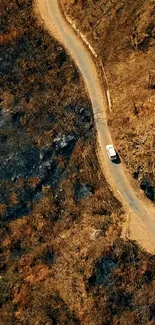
x: 62, y: 261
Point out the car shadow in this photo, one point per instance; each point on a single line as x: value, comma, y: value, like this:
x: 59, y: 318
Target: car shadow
x: 117, y: 161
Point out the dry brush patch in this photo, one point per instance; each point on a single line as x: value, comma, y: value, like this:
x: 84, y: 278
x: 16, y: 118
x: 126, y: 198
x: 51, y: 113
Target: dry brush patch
x: 58, y: 215
x: 51, y: 184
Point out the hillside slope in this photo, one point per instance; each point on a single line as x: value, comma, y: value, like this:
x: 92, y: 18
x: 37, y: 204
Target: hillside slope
x: 123, y: 34
x: 61, y: 257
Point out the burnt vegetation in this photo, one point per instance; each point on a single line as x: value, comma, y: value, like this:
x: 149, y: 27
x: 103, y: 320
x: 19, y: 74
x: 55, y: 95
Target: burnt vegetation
x: 61, y: 260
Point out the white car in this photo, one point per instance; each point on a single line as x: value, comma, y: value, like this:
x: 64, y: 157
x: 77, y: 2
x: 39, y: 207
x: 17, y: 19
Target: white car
x: 111, y: 152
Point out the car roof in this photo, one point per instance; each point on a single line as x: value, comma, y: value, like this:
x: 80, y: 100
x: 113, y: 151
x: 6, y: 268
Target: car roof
x: 112, y: 151
x: 108, y: 146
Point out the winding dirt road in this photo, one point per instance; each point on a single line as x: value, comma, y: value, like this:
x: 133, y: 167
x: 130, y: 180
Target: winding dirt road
x: 114, y: 173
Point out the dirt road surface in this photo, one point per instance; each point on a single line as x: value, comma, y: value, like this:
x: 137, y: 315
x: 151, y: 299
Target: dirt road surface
x: 115, y: 174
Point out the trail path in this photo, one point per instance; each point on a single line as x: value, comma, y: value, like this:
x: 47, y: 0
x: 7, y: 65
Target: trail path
x: 54, y: 21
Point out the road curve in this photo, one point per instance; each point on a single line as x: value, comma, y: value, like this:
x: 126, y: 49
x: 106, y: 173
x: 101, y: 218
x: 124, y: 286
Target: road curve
x: 84, y: 61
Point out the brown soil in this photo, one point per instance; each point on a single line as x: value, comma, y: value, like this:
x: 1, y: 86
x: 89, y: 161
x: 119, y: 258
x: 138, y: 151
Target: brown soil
x: 54, y: 232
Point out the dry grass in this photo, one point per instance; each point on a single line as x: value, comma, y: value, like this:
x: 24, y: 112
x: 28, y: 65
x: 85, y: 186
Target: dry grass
x: 122, y: 34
